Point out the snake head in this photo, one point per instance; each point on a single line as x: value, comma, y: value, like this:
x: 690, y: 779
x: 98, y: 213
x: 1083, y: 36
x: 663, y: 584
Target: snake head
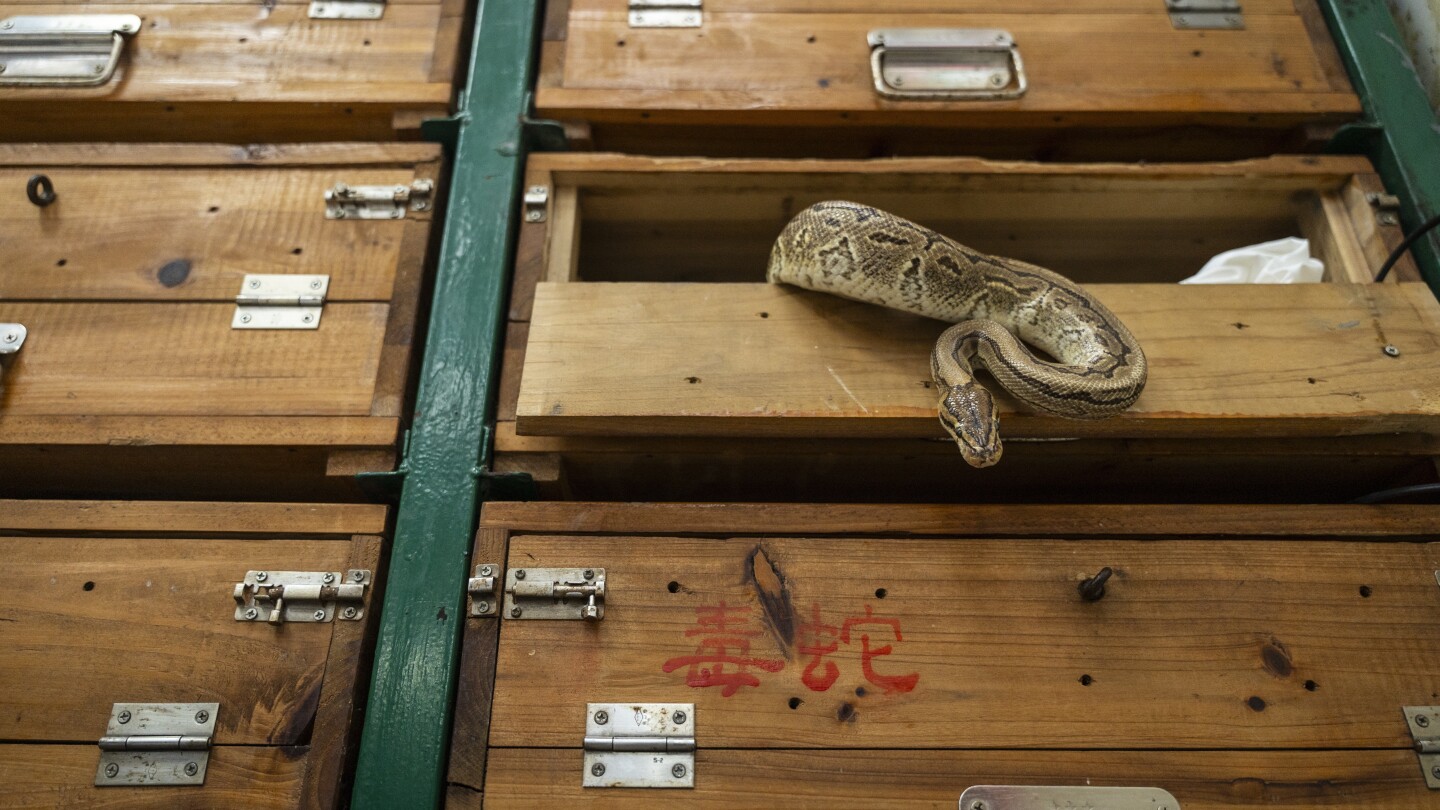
x: 968, y: 414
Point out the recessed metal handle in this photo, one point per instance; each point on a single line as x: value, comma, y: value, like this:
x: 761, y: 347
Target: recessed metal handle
x: 946, y: 64
x: 63, y: 50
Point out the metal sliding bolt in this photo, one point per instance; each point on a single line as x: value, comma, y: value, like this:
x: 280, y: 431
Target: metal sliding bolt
x: 1093, y: 589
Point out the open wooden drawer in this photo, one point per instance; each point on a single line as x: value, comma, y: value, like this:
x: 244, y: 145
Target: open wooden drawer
x: 684, y: 339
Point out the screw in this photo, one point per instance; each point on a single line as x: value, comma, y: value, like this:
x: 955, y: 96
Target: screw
x: 2, y: 68
x: 602, y: 717
x: 486, y: 570
x: 482, y: 607
x: 315, y: 285
x: 1435, y: 771
x: 7, y: 24
x: 898, y: 81
x: 340, y: 213
x: 515, y: 612
x: 678, y: 717
x: 251, y: 613
x: 1387, y: 218
x: 126, y: 28
x: 191, y: 769
x: 319, y: 615
x: 350, y: 612
x: 997, y: 80
x: 532, y: 216
x: 597, y: 770
x: 202, y: 717
x: 11, y: 337
x: 112, y: 770
x: 678, y: 771
x: 978, y: 805
x: 261, y: 576
x: 1093, y: 589
x: 537, y: 189
x: 1421, y: 720
x: 255, y: 284
x: 307, y: 319
x: 328, y: 578
x: 1391, y: 350
x: 124, y: 717
x: 520, y: 574
x: 245, y: 319
x: 358, y: 576
x: 589, y: 574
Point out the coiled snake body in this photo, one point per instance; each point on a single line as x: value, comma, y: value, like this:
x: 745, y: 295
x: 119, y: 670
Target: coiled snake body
x: 868, y: 255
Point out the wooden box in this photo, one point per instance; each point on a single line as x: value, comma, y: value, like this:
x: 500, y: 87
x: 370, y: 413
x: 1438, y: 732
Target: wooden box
x: 132, y: 602
x: 1104, y: 79
x: 870, y: 656
x: 136, y: 375
x: 684, y: 376
x: 232, y: 71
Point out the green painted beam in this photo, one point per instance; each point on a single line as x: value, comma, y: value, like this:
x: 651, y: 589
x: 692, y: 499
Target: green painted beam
x: 1403, y: 137
x: 407, y: 721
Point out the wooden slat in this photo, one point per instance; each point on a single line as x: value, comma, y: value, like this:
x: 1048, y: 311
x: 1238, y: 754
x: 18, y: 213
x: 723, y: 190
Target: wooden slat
x: 1283, y: 7
x: 470, y: 739
x: 755, y: 359
x: 981, y: 520
x: 85, y: 623
x: 194, y: 518
x: 1198, y: 644
x: 216, y: 155
x: 259, y: 431
x: 864, y: 780
x: 63, y: 776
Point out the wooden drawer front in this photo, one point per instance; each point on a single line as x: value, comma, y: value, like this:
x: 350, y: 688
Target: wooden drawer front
x: 1234, y: 669
x: 1102, y: 65
x: 108, y: 603
x: 228, y: 71
x: 127, y: 283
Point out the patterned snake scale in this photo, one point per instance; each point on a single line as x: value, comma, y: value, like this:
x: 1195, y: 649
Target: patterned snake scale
x: 865, y: 254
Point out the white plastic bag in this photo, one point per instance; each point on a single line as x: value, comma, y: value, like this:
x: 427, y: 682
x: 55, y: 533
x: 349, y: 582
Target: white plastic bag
x: 1284, y: 261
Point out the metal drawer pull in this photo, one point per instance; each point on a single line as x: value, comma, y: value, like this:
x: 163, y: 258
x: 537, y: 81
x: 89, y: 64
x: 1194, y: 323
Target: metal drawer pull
x: 63, y: 50
x: 1008, y: 797
x: 938, y: 64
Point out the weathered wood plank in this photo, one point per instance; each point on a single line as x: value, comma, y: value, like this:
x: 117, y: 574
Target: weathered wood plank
x: 863, y: 780
x: 191, y: 517
x: 470, y: 738
x: 214, y: 155
x: 1283, y: 7
x: 761, y: 360
x: 1204, y: 644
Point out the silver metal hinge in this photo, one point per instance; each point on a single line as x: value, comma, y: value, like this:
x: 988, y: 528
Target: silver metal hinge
x: 555, y: 593
x: 63, y: 50
x: 483, y: 599
x: 280, y: 302
x: 640, y: 745
x: 536, y: 198
x: 156, y: 744
x: 1215, y: 14
x: 1387, y: 208
x: 1014, y: 797
x: 1424, y: 723
x: 666, y: 13
x: 347, y: 9
x: 940, y: 64
x: 378, y: 202
x: 301, y: 596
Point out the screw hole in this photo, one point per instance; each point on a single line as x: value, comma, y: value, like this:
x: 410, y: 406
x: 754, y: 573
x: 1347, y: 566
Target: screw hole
x: 795, y: 703
x: 62, y: 262
x: 673, y: 587
x: 297, y: 251
x: 366, y: 43
x: 1311, y: 686
x: 214, y: 209
x: 764, y: 314
x: 1086, y: 680
x: 89, y: 586
x: 880, y: 593
x: 1365, y: 591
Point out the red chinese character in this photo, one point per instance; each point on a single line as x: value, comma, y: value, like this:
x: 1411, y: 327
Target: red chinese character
x: 812, y: 634
x: 725, y: 647
x: 887, y: 683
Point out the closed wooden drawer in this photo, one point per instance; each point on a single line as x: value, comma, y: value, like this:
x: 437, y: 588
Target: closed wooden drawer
x: 895, y: 656
x: 687, y: 371
x: 1104, y: 79
x: 129, y: 602
x: 237, y: 72
x: 137, y: 375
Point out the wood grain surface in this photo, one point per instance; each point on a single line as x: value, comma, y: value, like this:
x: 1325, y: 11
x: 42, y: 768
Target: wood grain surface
x: 193, y: 517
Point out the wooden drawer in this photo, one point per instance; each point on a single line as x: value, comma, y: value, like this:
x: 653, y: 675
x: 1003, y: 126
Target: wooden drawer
x: 228, y: 71
x: 685, y: 376
x: 894, y: 656
x: 130, y: 602
x: 133, y: 379
x: 1106, y: 80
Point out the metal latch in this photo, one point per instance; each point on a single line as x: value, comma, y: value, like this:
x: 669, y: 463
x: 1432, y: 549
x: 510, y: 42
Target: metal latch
x: 1008, y: 797
x: 555, y: 593
x: 640, y: 745
x: 666, y: 13
x: 536, y: 198
x: 483, y: 601
x: 280, y: 302
x: 937, y: 64
x: 63, y: 50
x: 377, y: 202
x: 347, y: 9
x: 1387, y: 207
x: 156, y: 744
x: 1221, y: 14
x: 1424, y: 723
x: 300, y: 596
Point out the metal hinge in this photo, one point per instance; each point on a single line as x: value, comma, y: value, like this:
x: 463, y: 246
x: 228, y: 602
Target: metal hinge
x: 1387, y: 207
x: 1015, y: 797
x: 63, y: 50
x: 280, y: 302
x: 483, y: 601
x: 640, y: 745
x: 377, y: 202
x: 536, y: 198
x: 1424, y: 723
x: 347, y: 9
x: 300, y: 596
x: 555, y: 593
x: 938, y: 64
x: 666, y: 13
x: 156, y: 744
x: 1221, y: 14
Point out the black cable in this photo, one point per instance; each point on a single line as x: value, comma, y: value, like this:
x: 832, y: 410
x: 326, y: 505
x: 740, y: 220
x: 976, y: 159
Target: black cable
x: 1405, y: 245
x: 1386, y: 495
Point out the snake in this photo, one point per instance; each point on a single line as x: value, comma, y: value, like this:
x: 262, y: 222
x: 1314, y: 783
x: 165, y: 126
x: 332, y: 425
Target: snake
x: 1094, y: 369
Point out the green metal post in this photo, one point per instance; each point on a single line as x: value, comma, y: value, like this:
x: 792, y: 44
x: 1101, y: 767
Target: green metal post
x: 407, y: 721
x: 1402, y: 137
